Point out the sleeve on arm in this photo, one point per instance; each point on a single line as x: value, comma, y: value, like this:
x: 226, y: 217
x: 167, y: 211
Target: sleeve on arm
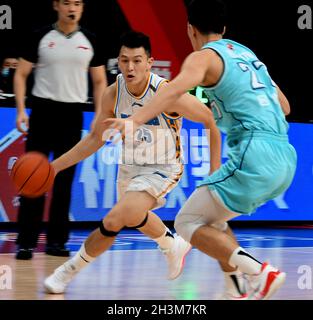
x: 99, y: 58
x: 29, y: 50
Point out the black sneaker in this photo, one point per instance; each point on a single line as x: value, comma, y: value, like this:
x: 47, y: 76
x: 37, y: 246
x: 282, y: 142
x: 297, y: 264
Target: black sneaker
x: 57, y: 250
x: 24, y: 254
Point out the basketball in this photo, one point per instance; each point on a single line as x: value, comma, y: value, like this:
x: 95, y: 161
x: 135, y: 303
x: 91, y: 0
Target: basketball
x: 32, y: 174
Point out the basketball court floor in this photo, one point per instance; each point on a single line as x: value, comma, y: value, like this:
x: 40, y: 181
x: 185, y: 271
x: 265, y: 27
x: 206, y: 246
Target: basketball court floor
x: 134, y: 269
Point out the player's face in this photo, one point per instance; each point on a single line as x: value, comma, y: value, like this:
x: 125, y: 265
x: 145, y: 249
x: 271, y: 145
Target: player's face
x: 69, y: 11
x: 134, y: 64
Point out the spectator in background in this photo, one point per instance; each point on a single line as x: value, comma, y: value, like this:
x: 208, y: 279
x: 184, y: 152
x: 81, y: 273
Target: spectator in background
x: 8, y: 68
x: 62, y: 54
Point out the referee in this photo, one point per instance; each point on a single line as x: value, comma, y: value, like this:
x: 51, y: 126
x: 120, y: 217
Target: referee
x: 61, y: 55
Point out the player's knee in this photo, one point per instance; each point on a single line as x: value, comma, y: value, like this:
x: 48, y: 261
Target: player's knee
x: 136, y: 220
x: 221, y: 226
x: 111, y: 225
x: 106, y: 232
x: 143, y: 222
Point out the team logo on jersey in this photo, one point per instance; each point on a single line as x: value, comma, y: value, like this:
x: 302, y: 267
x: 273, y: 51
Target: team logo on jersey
x: 230, y: 46
x: 137, y: 104
x: 83, y: 47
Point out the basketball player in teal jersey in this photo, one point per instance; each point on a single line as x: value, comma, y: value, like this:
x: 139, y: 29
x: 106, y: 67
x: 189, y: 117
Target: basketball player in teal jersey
x: 249, y: 107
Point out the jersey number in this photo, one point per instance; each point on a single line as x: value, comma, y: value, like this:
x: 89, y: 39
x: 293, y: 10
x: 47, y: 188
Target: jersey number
x: 255, y: 83
x: 144, y: 134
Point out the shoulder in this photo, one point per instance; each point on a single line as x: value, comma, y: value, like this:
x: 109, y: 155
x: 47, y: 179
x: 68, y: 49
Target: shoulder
x: 41, y: 32
x: 35, y: 36
x: 88, y: 34
x: 157, y: 78
x: 157, y: 81
x: 109, y: 100
x: 162, y: 84
x: 201, y: 56
x: 31, y: 42
x: 201, y: 62
x: 111, y: 91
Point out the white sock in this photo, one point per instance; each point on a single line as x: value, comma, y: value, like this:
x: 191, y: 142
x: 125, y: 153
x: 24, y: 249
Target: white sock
x: 79, y: 261
x: 234, y: 282
x: 166, y: 241
x: 245, y: 262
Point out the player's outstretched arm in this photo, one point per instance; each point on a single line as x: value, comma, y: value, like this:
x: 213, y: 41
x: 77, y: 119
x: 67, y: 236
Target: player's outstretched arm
x: 193, y: 73
x: 94, y: 140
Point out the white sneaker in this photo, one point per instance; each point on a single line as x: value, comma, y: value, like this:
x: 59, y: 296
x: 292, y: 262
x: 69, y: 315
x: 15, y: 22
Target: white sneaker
x: 176, y: 257
x: 58, y: 281
x: 265, y: 284
x: 236, y: 287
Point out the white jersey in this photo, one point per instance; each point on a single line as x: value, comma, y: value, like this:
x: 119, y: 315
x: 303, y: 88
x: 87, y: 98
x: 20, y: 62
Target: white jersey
x: 62, y: 62
x: 156, y: 142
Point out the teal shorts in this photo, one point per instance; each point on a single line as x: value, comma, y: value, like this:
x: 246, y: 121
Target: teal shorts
x: 260, y: 167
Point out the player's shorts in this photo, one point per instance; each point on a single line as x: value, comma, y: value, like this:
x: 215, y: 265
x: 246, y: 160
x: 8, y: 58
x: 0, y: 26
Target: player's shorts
x: 261, y: 166
x: 156, y: 180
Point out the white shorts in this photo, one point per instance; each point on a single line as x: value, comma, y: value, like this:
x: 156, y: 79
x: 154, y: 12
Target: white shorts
x: 156, y: 180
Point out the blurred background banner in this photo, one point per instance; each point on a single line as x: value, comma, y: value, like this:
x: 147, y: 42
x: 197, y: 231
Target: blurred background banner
x: 94, y: 192
x: 270, y: 28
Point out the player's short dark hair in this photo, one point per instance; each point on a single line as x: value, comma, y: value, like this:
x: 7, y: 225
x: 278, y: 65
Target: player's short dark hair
x: 83, y: 1
x: 208, y: 16
x: 134, y: 39
x: 59, y: 0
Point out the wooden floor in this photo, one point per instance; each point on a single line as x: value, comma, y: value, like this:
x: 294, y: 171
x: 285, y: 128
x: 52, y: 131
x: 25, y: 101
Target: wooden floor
x: 141, y: 274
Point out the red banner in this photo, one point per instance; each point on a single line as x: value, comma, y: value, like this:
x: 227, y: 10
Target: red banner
x: 165, y: 22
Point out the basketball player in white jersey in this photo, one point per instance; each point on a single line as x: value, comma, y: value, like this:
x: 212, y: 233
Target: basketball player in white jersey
x: 150, y: 167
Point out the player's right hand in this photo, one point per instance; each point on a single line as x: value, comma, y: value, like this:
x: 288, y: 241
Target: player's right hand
x: 121, y: 128
x: 22, y: 122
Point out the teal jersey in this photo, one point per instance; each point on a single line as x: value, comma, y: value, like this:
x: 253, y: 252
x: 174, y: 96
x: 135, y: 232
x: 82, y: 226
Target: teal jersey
x: 245, y: 98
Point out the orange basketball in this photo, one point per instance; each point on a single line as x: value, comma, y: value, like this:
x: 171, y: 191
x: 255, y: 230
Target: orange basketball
x: 32, y: 174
